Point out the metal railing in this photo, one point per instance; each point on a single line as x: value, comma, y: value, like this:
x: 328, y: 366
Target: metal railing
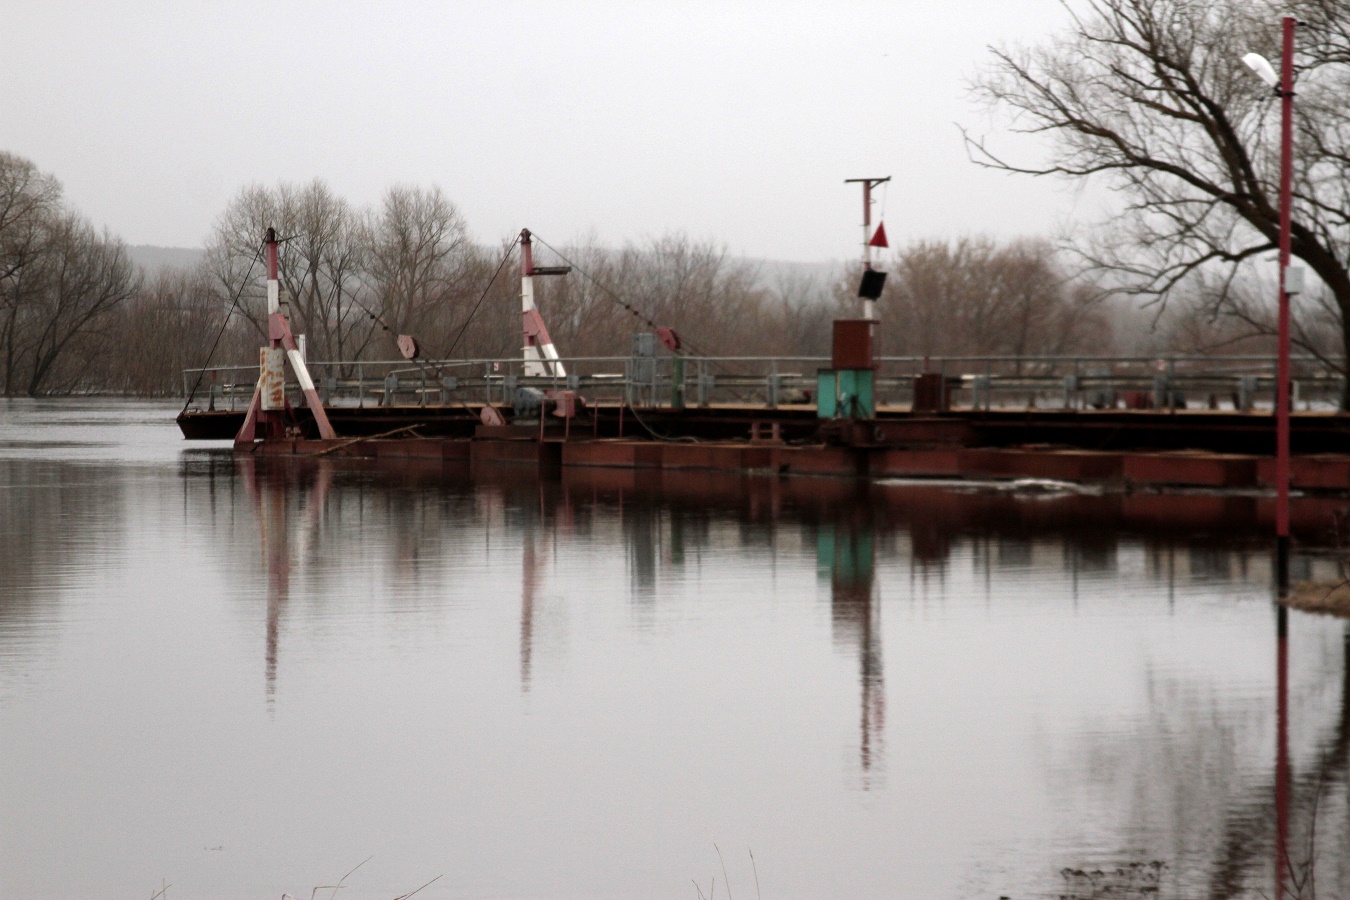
x: 972, y: 382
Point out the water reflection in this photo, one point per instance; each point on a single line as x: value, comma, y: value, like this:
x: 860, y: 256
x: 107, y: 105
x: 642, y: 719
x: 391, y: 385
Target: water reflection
x: 1312, y: 803
x: 55, y: 525
x: 1087, y: 684
x: 1226, y: 797
x: 1283, y: 861
x: 667, y: 524
x: 542, y: 523
x: 272, y: 489
x: 529, y: 588
x: 1292, y: 831
x: 845, y: 555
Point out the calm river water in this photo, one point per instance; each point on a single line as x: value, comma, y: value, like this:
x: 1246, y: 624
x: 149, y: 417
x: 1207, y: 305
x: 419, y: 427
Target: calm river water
x: 241, y: 679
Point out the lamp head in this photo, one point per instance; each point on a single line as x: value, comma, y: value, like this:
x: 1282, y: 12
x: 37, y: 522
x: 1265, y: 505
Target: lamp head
x: 1263, y: 69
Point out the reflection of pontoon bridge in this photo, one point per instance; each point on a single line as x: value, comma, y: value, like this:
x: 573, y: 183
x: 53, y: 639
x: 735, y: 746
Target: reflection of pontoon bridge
x: 853, y: 414
x: 289, y: 500
x: 847, y: 522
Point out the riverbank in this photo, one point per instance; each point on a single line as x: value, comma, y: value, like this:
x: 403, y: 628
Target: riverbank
x: 1330, y: 598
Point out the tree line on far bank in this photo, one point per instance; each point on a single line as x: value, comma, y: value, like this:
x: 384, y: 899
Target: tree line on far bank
x: 77, y: 316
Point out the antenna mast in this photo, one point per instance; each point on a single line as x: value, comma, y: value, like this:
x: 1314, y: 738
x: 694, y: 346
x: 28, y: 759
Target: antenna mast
x: 869, y: 240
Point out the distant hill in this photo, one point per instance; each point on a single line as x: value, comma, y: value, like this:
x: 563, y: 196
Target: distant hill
x: 156, y: 259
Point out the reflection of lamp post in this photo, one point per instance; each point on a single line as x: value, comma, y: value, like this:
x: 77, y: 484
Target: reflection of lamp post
x: 1282, y: 862
x: 1284, y: 87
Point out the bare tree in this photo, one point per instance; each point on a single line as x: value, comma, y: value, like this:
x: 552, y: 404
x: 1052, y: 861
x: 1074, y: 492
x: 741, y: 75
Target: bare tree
x: 973, y: 297
x: 169, y: 326
x: 59, y: 281
x: 29, y: 200
x: 321, y: 260
x: 28, y: 197
x: 718, y: 304
x: 85, y: 276
x: 800, y: 306
x: 421, y: 263
x: 584, y: 310
x: 1152, y: 97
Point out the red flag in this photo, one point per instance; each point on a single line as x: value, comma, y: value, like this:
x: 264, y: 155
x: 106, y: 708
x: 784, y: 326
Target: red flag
x: 879, y: 239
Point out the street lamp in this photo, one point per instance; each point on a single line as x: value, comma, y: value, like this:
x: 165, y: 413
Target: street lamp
x: 1284, y: 87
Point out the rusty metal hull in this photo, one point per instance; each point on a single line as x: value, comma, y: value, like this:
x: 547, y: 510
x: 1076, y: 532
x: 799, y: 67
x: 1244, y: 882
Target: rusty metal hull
x: 1112, y: 430
x: 1145, y: 448
x: 1165, y: 469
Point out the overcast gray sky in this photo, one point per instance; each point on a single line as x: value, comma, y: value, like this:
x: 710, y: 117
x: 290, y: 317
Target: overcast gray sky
x: 736, y: 121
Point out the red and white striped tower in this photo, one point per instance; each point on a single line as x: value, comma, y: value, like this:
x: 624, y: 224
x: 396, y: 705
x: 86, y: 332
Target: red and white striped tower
x: 541, y: 357
x: 269, y: 398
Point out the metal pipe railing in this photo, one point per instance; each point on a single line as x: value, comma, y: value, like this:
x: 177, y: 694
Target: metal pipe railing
x: 974, y: 382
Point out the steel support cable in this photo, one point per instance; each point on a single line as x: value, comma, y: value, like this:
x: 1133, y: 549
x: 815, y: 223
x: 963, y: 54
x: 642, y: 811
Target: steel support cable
x: 455, y: 343
x: 376, y: 317
x: 473, y: 312
x: 384, y: 323
x: 640, y: 316
x: 234, y: 303
x: 352, y: 297
x: 633, y: 310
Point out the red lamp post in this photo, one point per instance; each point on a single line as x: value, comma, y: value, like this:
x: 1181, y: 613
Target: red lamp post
x: 1282, y: 397
x: 1284, y: 87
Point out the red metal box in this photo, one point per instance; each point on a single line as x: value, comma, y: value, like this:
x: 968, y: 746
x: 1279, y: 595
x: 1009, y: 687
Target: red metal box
x: 852, y: 344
